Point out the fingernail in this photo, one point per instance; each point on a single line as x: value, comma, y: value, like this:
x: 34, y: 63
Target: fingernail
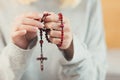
x: 40, y: 15
x: 24, y: 31
x: 41, y: 25
x: 35, y: 28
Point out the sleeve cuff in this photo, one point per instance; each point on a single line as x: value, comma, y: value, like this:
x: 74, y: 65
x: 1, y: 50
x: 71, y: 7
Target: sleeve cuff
x: 16, y: 59
x: 19, y: 57
x: 15, y: 53
x: 80, y: 51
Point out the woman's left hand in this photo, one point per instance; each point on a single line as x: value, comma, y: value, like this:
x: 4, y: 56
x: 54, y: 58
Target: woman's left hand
x: 52, y: 21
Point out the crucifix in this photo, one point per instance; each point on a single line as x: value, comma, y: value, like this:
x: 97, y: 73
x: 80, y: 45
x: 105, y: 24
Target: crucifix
x: 42, y: 58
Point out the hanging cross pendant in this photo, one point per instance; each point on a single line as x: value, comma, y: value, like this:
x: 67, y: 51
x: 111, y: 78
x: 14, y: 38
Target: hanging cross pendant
x: 41, y: 61
x: 41, y: 58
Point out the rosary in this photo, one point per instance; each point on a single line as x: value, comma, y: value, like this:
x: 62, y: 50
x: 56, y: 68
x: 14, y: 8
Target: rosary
x: 46, y: 30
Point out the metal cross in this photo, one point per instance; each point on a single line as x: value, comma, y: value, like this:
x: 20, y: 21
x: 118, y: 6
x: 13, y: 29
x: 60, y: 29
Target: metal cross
x: 41, y: 58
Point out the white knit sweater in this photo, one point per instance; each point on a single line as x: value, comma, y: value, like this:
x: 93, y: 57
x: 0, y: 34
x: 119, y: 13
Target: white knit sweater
x: 89, y: 60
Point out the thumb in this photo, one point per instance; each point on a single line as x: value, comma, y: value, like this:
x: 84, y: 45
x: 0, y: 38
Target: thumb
x: 19, y: 33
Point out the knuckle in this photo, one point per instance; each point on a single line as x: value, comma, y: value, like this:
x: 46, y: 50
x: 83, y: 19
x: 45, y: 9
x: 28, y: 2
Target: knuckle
x: 67, y: 28
x: 52, y: 40
x: 51, y: 25
x: 22, y: 20
x: 54, y: 24
x: 15, y: 26
x: 66, y: 36
x: 13, y: 36
x: 48, y: 18
x: 59, y: 34
x: 21, y: 26
x: 51, y: 33
x: 59, y: 40
x: 47, y: 25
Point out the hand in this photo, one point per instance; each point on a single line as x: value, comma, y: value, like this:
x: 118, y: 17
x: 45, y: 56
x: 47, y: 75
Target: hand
x: 52, y: 22
x: 25, y: 29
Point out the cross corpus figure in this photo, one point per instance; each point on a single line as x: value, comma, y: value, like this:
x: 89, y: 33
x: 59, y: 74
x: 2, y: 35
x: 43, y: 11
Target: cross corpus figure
x: 41, y: 61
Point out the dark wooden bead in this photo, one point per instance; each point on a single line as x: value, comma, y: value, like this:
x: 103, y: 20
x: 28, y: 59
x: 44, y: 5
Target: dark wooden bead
x: 42, y: 67
x: 41, y: 41
x: 62, y: 25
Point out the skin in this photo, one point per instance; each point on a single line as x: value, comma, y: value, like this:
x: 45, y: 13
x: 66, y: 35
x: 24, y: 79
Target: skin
x: 25, y: 30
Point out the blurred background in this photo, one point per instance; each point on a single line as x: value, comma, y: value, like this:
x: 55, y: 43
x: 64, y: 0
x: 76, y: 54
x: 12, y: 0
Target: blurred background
x: 111, y: 14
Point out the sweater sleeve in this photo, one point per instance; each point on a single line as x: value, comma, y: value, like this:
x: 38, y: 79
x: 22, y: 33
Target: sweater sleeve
x: 89, y: 60
x: 13, y: 60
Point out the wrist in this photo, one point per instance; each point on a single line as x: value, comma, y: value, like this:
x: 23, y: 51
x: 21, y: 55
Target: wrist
x: 69, y: 52
x: 22, y: 46
x: 27, y: 44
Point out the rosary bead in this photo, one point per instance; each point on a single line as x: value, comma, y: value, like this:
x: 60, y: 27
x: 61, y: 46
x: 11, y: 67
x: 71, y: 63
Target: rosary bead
x: 41, y: 41
x: 41, y: 67
x: 62, y: 34
x: 59, y: 45
x: 60, y: 16
x: 42, y: 58
x: 62, y: 25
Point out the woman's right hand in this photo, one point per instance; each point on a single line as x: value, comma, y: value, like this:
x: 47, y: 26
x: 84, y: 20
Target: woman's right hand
x: 25, y: 29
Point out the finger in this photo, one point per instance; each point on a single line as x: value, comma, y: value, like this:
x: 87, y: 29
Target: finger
x: 32, y: 15
x: 28, y: 28
x: 55, y: 34
x: 18, y: 34
x: 52, y: 17
x: 53, y: 25
x: 56, y: 26
x: 55, y: 40
x: 27, y: 21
